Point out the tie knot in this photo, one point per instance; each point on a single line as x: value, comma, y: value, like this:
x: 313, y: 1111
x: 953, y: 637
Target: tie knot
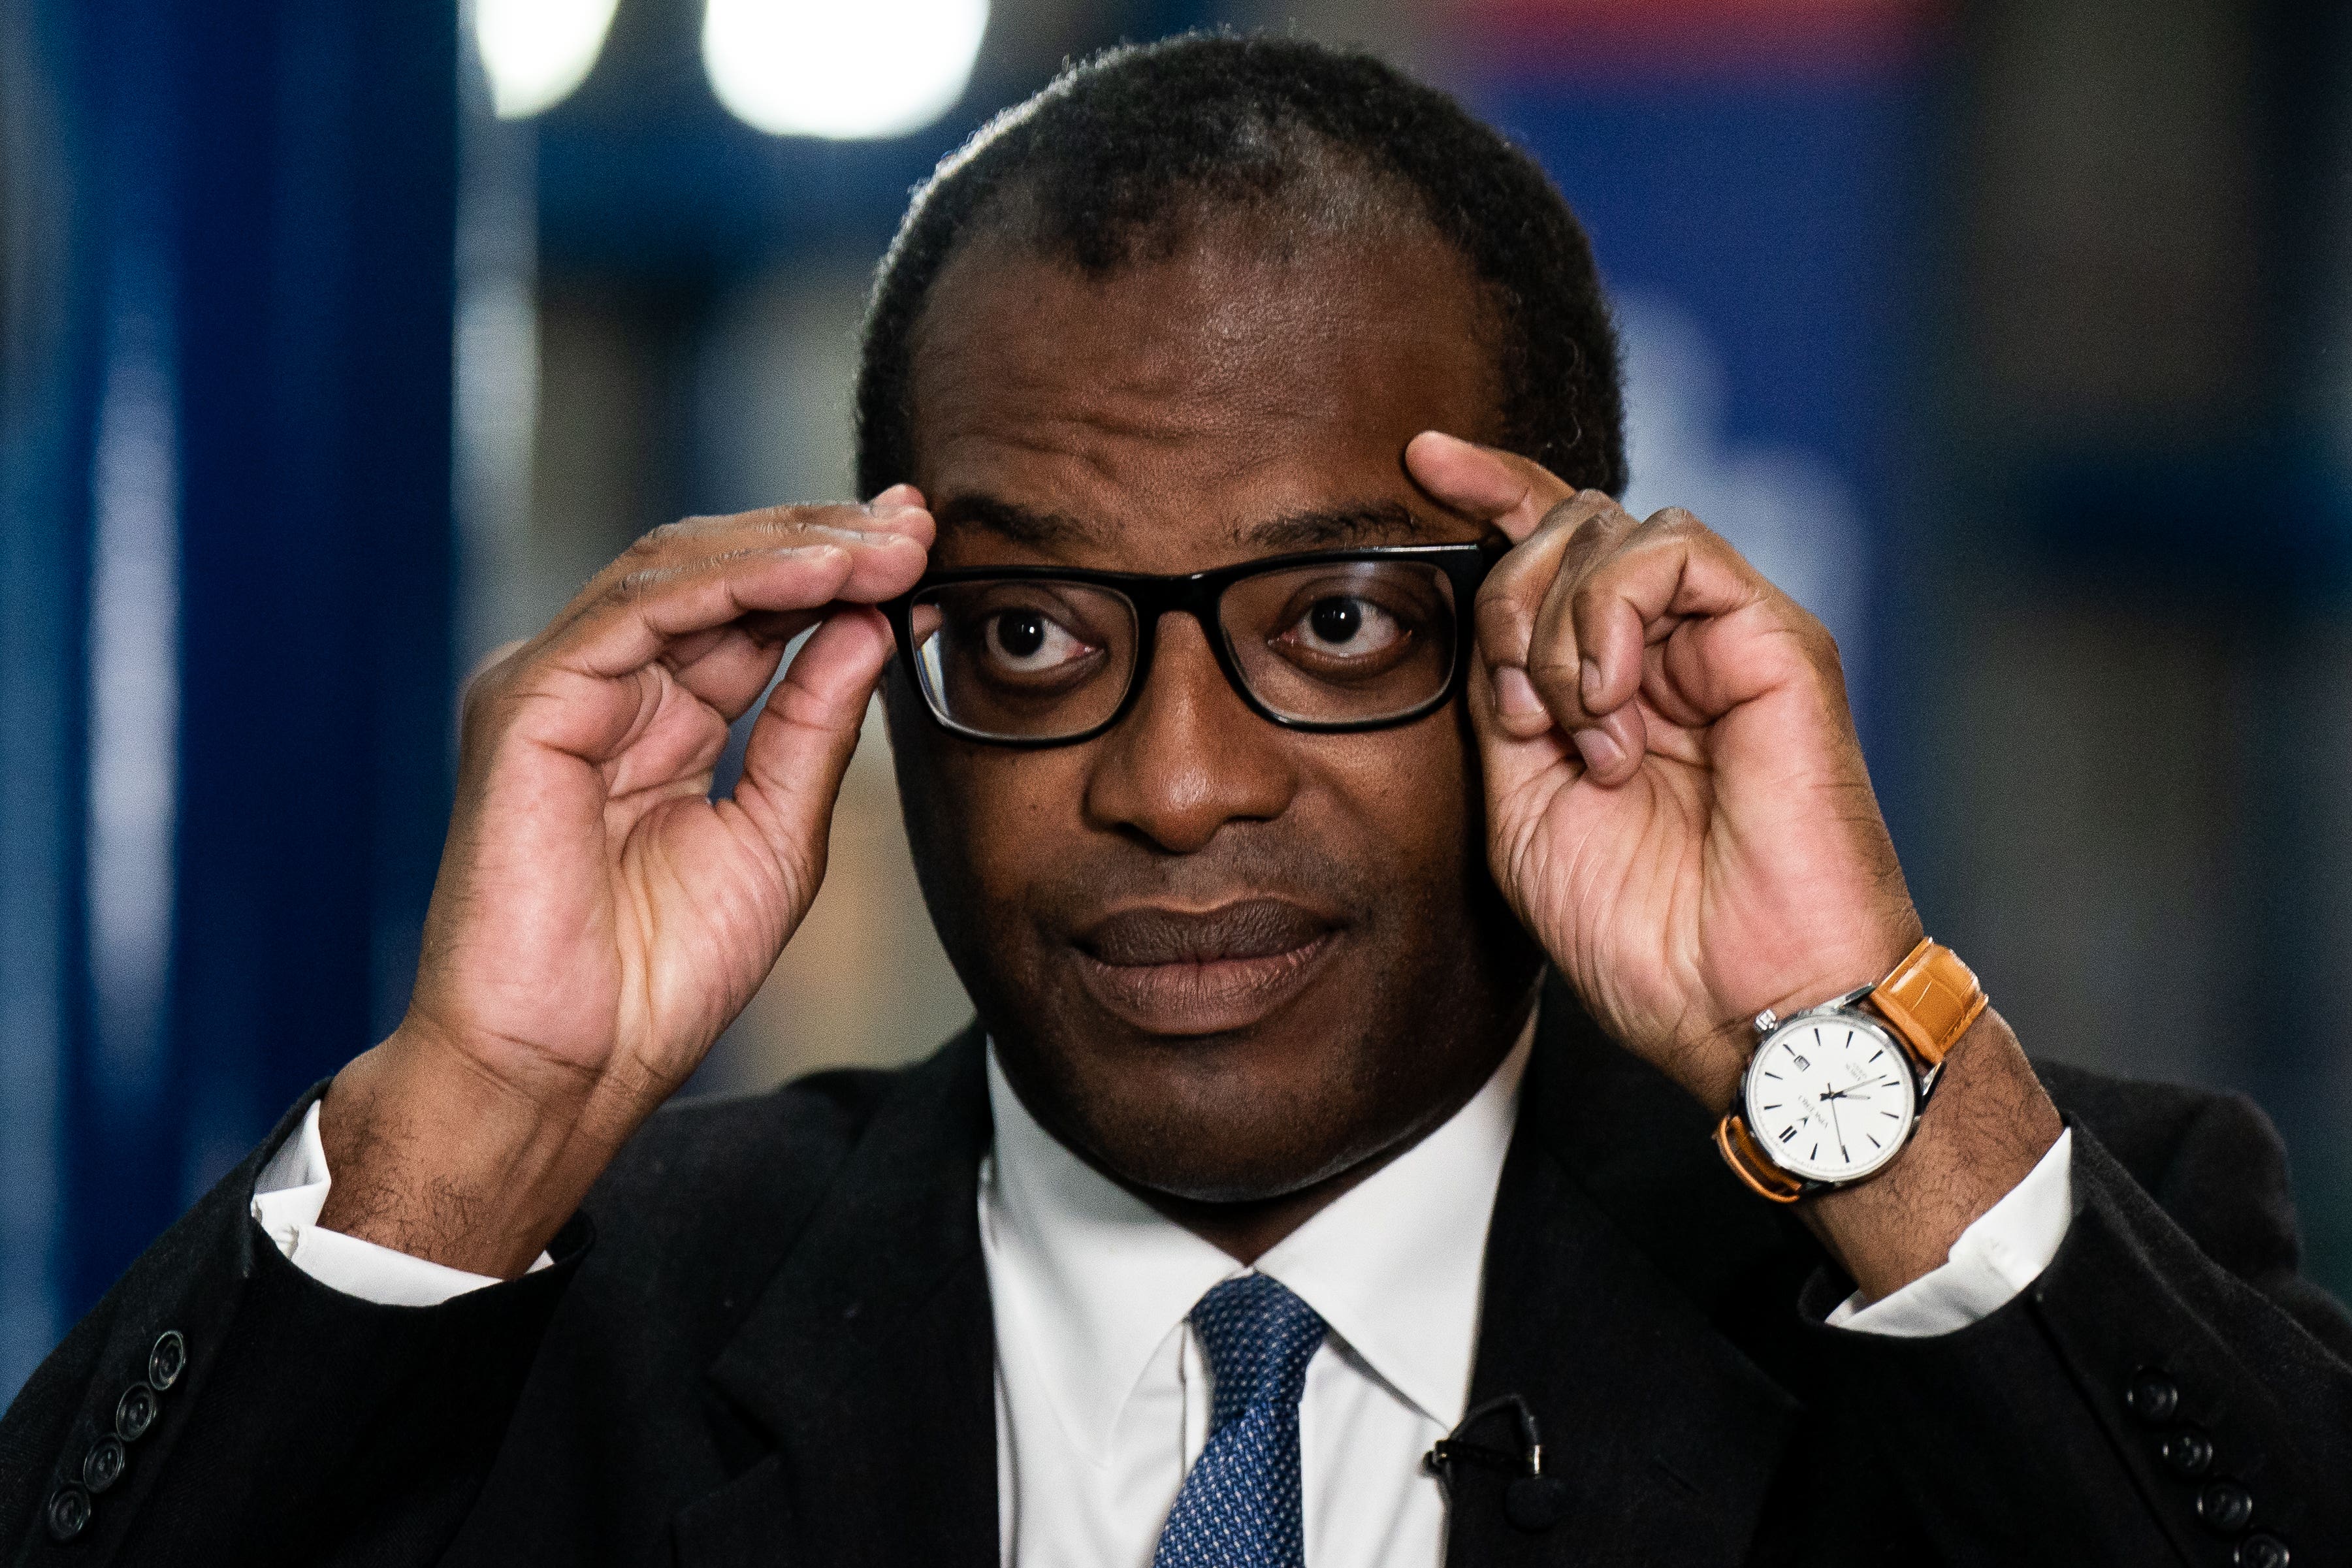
x: 1259, y: 1338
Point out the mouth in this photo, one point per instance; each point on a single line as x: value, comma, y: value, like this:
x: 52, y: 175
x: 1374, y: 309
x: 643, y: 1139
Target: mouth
x: 1176, y: 972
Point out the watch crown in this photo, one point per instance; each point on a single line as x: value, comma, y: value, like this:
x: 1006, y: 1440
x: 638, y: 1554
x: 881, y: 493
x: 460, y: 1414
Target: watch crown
x: 1767, y: 1021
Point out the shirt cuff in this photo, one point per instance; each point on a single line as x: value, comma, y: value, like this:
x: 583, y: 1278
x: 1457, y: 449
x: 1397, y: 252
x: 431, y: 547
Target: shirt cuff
x: 2004, y: 1251
x: 286, y: 1198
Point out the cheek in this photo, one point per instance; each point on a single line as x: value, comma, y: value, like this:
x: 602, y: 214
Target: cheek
x: 1408, y: 793
x: 1012, y: 818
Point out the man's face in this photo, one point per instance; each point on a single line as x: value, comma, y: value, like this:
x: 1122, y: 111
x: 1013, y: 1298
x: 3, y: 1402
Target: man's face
x: 1223, y: 959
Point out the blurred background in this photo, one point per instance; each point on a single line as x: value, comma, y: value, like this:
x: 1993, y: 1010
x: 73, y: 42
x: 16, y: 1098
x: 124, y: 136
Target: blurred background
x: 340, y: 343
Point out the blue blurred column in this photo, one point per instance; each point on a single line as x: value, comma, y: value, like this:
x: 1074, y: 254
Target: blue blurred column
x: 49, y: 363
x: 1749, y: 176
x: 227, y: 595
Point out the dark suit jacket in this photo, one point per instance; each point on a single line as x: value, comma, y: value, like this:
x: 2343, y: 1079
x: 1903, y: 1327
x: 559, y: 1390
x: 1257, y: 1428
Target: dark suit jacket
x: 779, y: 1351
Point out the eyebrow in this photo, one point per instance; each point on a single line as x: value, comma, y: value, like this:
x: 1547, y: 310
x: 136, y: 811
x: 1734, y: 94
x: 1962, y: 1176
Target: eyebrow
x: 1334, y: 527
x: 1315, y: 527
x: 1017, y: 524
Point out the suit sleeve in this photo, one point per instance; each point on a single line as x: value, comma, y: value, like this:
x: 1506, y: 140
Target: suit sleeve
x: 221, y: 1405
x: 2169, y: 1390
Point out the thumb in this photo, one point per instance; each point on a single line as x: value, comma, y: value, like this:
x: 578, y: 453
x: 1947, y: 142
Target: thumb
x: 801, y: 742
x: 1485, y: 483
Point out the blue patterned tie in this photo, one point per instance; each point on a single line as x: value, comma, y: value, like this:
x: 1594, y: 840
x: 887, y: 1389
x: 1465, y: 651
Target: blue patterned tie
x: 1239, y: 1507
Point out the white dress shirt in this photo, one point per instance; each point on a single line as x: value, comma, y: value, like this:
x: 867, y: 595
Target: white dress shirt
x: 1102, y: 1398
x: 1102, y: 1390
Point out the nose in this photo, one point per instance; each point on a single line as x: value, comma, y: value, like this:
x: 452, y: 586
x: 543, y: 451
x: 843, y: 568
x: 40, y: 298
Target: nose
x: 1190, y: 756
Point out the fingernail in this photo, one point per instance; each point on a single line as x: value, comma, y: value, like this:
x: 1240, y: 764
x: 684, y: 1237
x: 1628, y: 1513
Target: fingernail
x: 1588, y: 681
x: 1515, y: 694
x: 1600, y: 752
x: 897, y: 499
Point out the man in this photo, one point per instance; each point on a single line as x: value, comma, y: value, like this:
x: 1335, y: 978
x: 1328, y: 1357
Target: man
x: 1279, y: 697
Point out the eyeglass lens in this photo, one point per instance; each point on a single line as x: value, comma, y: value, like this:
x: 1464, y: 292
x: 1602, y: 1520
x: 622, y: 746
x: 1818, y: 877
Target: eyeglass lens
x: 1338, y: 642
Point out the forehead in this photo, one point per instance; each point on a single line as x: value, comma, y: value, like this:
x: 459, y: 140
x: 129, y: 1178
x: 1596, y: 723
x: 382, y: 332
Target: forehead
x: 1179, y: 413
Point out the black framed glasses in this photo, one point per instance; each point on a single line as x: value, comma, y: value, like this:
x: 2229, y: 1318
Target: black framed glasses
x: 1330, y: 640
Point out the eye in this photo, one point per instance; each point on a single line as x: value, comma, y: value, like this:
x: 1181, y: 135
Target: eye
x: 1344, y: 626
x: 1026, y: 640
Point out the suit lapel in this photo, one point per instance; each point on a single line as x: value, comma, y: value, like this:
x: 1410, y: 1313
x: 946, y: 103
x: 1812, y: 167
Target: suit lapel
x: 1613, y: 1237
x: 1618, y: 1253
x: 869, y: 1360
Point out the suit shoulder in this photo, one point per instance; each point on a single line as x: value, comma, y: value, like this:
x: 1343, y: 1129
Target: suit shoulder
x: 2148, y: 1124
x: 2210, y: 1159
x: 692, y: 1153
x: 699, y: 1210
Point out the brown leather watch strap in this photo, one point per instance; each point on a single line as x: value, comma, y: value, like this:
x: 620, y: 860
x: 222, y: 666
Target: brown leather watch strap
x: 1750, y: 1163
x: 1929, y: 999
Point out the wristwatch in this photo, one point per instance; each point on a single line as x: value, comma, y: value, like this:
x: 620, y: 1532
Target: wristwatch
x: 1833, y: 1093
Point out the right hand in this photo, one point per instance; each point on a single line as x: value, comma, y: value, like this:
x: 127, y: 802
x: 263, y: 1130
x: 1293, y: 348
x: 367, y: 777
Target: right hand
x: 598, y: 919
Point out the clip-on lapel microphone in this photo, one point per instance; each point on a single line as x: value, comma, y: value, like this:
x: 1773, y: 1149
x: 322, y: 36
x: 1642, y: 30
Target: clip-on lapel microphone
x: 1534, y: 1502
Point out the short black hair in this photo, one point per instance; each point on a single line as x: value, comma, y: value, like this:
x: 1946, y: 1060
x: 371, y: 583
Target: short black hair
x: 1117, y: 150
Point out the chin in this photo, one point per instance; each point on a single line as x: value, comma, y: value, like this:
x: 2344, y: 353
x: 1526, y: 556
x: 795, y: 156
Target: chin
x: 1235, y: 1115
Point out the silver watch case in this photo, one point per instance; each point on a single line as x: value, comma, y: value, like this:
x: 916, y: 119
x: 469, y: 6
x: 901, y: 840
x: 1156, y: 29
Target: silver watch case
x: 1847, y: 1010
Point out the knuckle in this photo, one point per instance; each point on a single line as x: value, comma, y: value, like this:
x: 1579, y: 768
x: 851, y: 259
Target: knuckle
x: 671, y: 539
x: 787, y: 519
x: 1589, y: 596
x: 1506, y: 627
x: 480, y: 707
x: 1505, y: 592
x: 1819, y: 641
x: 633, y: 586
x: 1568, y: 512
x: 1508, y: 585
x: 474, y: 703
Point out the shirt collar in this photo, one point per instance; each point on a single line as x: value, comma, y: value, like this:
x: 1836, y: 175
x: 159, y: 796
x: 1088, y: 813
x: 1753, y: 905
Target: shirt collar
x: 1094, y: 1280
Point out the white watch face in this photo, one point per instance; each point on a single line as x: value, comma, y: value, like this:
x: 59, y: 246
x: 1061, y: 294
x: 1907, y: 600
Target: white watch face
x: 1830, y: 1098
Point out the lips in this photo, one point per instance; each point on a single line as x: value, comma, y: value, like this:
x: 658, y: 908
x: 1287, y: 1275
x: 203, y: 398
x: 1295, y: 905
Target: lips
x: 1179, y: 972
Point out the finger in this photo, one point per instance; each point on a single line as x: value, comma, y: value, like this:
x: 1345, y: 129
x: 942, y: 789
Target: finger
x: 1511, y: 602
x: 1512, y: 762
x: 901, y: 497
x: 1608, y: 729
x: 1511, y: 492
x: 728, y: 669
x: 801, y: 742
x: 1670, y: 570
x: 890, y: 522
x: 641, y: 616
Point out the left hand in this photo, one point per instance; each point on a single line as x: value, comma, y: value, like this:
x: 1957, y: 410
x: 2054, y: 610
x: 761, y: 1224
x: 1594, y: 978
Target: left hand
x: 1677, y: 804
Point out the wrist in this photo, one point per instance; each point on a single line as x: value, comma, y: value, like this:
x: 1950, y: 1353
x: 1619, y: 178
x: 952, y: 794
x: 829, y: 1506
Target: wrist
x: 431, y: 1154
x: 1711, y: 1071
x: 1989, y: 1124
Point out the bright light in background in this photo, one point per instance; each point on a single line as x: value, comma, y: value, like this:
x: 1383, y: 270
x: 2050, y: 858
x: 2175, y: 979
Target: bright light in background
x: 841, y: 69
x: 536, y: 51
x: 135, y: 697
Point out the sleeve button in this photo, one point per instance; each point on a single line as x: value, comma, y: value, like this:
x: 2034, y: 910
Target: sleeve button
x: 134, y: 1413
x: 68, y: 1513
x: 2263, y: 1551
x: 167, y: 1359
x: 2151, y: 1396
x: 2225, y: 1506
x: 2188, y: 1452
x: 102, y: 1466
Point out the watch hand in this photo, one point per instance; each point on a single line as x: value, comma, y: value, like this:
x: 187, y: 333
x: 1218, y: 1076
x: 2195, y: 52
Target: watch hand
x: 1840, y: 1130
